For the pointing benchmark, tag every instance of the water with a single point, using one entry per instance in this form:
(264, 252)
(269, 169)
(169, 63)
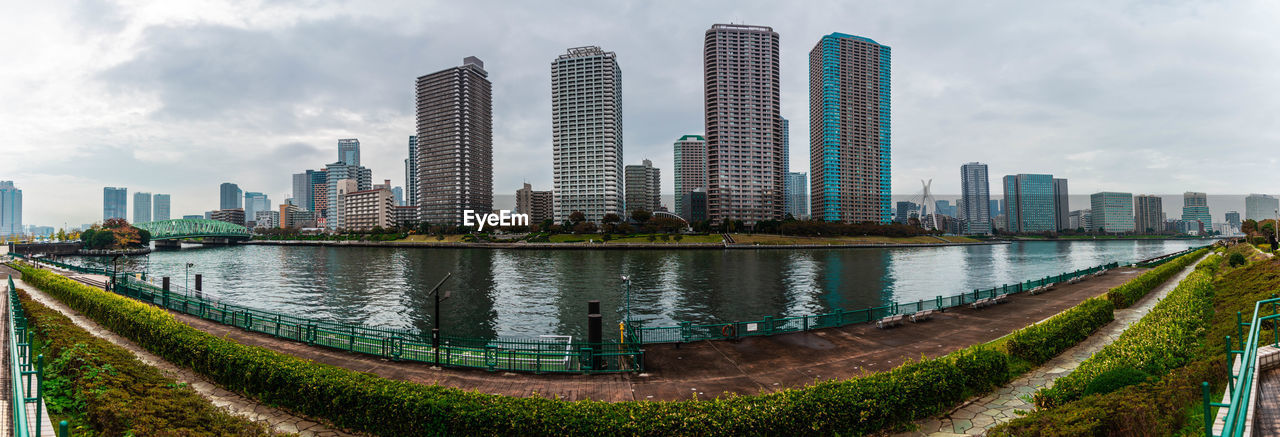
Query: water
(530, 293)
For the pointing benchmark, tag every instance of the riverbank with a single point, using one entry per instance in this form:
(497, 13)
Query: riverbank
(1111, 238)
(751, 242)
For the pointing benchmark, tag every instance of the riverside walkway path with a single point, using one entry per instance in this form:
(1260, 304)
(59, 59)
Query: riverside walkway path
(277, 419)
(708, 369)
(979, 415)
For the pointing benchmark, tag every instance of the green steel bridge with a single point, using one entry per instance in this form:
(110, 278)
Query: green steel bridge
(182, 229)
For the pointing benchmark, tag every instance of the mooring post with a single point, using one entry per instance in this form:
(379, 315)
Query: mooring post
(164, 281)
(595, 336)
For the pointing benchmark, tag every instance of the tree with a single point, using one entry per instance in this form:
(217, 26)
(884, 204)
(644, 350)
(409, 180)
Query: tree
(610, 221)
(679, 237)
(102, 239)
(577, 217)
(584, 228)
(640, 215)
(1249, 227)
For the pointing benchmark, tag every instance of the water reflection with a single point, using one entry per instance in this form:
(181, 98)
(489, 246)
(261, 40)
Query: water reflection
(529, 293)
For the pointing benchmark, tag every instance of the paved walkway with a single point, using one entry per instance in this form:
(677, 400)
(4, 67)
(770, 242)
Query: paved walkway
(979, 415)
(236, 404)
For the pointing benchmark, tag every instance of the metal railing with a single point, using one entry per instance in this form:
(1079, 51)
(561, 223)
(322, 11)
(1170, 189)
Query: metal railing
(1157, 261)
(544, 354)
(64, 266)
(687, 331)
(1242, 382)
(25, 372)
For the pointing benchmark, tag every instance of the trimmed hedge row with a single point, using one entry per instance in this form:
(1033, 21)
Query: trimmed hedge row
(104, 387)
(365, 402)
(1040, 342)
(1166, 338)
(1127, 293)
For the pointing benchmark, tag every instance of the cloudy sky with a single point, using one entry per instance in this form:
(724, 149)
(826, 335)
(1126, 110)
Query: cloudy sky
(177, 97)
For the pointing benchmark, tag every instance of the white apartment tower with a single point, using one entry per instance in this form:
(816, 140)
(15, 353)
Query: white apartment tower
(586, 134)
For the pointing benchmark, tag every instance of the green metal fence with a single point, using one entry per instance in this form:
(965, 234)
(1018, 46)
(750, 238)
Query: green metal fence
(548, 353)
(1154, 262)
(687, 331)
(64, 266)
(1241, 386)
(26, 373)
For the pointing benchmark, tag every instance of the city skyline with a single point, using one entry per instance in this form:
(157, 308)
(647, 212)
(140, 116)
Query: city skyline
(1015, 108)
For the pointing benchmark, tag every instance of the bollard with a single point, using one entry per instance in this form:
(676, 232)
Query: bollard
(1208, 418)
(62, 429)
(165, 286)
(199, 281)
(593, 307)
(595, 336)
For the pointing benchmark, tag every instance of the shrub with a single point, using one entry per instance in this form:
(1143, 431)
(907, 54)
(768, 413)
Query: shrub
(365, 402)
(1115, 379)
(1129, 292)
(104, 387)
(1236, 259)
(1040, 342)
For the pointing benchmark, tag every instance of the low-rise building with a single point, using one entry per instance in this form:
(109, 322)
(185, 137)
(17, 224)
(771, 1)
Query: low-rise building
(405, 216)
(234, 216)
(266, 219)
(365, 210)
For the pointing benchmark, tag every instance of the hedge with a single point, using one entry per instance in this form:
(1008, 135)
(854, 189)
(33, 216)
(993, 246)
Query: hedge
(103, 387)
(1040, 342)
(365, 402)
(1127, 293)
(1164, 339)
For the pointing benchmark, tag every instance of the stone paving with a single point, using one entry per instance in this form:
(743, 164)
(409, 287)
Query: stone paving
(977, 416)
(278, 419)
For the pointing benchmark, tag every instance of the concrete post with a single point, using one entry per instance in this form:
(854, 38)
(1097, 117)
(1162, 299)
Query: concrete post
(595, 337)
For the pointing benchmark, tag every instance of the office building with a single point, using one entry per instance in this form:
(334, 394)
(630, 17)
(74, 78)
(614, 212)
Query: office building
(1233, 219)
(319, 192)
(1080, 219)
(642, 187)
(229, 195)
(745, 176)
(454, 142)
(1148, 214)
(397, 193)
(369, 209)
(1030, 204)
(849, 97)
(690, 171)
(292, 216)
(1061, 204)
(586, 134)
(362, 179)
(266, 219)
(1112, 212)
(194, 217)
(1259, 207)
(141, 207)
(349, 151)
(786, 155)
(797, 201)
(945, 208)
(1195, 207)
(303, 189)
(10, 209)
(254, 202)
(695, 204)
(233, 216)
(994, 205)
(539, 205)
(114, 202)
(411, 174)
(905, 211)
(160, 207)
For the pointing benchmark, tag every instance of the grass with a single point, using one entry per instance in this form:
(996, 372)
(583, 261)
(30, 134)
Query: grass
(769, 239)
(431, 239)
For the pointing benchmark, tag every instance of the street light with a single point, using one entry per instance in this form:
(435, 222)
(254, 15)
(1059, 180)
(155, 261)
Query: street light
(186, 283)
(435, 330)
(627, 297)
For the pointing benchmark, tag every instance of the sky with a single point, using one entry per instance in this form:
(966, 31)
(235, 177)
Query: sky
(178, 97)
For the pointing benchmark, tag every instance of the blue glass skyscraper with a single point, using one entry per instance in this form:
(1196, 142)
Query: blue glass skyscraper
(1030, 204)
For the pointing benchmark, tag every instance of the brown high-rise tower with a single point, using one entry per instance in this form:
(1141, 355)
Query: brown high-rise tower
(455, 143)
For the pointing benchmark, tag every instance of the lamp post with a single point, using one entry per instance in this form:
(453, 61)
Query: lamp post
(435, 330)
(186, 282)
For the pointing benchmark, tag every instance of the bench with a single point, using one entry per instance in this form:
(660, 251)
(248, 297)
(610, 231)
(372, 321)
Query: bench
(922, 316)
(1001, 299)
(982, 303)
(890, 321)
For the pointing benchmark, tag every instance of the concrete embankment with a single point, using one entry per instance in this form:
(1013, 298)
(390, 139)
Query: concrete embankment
(604, 246)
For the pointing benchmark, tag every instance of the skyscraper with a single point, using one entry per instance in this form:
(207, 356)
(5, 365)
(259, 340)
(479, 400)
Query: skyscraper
(1195, 206)
(642, 187)
(1259, 207)
(349, 151)
(586, 134)
(160, 207)
(797, 202)
(538, 204)
(975, 199)
(319, 196)
(745, 176)
(302, 189)
(114, 202)
(141, 207)
(230, 196)
(1030, 203)
(1061, 204)
(690, 171)
(1233, 219)
(1112, 212)
(397, 193)
(1148, 214)
(849, 133)
(411, 173)
(339, 171)
(254, 202)
(454, 142)
(10, 209)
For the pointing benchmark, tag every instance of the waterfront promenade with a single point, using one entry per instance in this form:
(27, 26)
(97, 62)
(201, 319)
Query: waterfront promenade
(707, 369)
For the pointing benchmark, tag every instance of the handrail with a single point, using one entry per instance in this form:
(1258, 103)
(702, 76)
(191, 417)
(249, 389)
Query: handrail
(1241, 381)
(26, 375)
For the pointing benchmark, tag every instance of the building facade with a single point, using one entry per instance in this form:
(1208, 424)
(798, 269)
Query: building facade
(141, 207)
(695, 204)
(234, 216)
(254, 202)
(849, 131)
(797, 202)
(302, 190)
(643, 185)
(586, 134)
(411, 174)
(349, 151)
(1112, 212)
(454, 142)
(1080, 219)
(1061, 204)
(341, 189)
(1030, 203)
(229, 196)
(319, 191)
(905, 211)
(1233, 219)
(975, 199)
(335, 172)
(1195, 207)
(369, 209)
(266, 219)
(1259, 207)
(1148, 214)
(114, 202)
(10, 209)
(160, 207)
(689, 171)
(405, 216)
(539, 205)
(745, 174)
